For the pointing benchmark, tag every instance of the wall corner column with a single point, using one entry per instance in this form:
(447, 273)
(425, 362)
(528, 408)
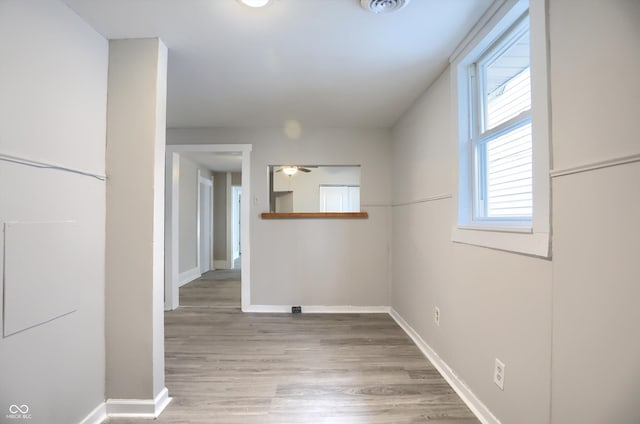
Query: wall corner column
(135, 157)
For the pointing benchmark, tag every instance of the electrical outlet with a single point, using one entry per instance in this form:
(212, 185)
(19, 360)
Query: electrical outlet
(498, 373)
(296, 309)
(436, 316)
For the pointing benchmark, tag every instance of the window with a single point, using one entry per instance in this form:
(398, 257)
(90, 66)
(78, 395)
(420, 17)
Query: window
(500, 116)
(499, 80)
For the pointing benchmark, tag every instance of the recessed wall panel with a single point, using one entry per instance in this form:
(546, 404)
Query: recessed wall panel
(41, 280)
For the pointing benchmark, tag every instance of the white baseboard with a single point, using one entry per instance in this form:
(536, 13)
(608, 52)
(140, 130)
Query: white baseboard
(317, 309)
(97, 416)
(222, 264)
(267, 309)
(344, 309)
(188, 276)
(468, 397)
(138, 408)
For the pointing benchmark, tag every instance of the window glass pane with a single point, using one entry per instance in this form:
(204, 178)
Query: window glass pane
(507, 83)
(509, 174)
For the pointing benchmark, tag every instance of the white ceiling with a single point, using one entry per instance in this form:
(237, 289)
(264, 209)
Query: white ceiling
(320, 62)
(219, 162)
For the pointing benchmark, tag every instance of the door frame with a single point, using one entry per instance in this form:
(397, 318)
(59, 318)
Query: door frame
(172, 195)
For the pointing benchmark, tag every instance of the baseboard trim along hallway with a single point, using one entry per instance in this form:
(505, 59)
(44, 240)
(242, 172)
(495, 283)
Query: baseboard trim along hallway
(188, 276)
(317, 309)
(97, 416)
(468, 397)
(129, 408)
(138, 408)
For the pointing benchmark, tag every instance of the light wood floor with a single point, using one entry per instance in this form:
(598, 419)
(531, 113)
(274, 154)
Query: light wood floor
(223, 366)
(220, 288)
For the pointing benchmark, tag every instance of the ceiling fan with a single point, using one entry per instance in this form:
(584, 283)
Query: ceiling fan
(292, 169)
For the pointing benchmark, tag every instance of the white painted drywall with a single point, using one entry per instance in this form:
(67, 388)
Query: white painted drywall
(595, 63)
(188, 214)
(578, 308)
(492, 304)
(594, 53)
(315, 262)
(135, 219)
(53, 81)
(35, 295)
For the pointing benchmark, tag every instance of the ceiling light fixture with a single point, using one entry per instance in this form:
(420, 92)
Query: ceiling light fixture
(383, 6)
(289, 170)
(255, 3)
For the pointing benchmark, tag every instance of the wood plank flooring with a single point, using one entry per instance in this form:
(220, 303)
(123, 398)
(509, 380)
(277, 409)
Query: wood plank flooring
(223, 366)
(219, 288)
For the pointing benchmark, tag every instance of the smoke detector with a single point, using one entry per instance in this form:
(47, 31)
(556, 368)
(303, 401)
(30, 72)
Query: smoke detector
(383, 6)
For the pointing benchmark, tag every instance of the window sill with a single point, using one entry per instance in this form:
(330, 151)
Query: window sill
(497, 228)
(525, 243)
(313, 215)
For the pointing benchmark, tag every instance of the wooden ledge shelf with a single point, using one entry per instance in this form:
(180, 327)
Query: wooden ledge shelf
(314, 215)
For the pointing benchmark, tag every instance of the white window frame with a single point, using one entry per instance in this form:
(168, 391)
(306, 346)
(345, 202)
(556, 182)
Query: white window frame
(526, 237)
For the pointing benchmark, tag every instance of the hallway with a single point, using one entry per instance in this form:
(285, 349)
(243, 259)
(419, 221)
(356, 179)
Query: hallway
(226, 367)
(215, 289)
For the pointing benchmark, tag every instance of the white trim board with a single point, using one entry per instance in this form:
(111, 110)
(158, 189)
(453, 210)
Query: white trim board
(344, 309)
(478, 408)
(424, 200)
(222, 264)
(198, 227)
(172, 195)
(188, 276)
(316, 309)
(206, 181)
(97, 416)
(593, 166)
(48, 165)
(131, 408)
(138, 408)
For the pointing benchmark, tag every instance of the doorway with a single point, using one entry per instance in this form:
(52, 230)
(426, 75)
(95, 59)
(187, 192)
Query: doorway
(172, 195)
(236, 225)
(205, 200)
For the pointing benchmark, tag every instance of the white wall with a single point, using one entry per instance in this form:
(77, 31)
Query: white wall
(189, 187)
(595, 63)
(580, 308)
(493, 304)
(315, 262)
(53, 81)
